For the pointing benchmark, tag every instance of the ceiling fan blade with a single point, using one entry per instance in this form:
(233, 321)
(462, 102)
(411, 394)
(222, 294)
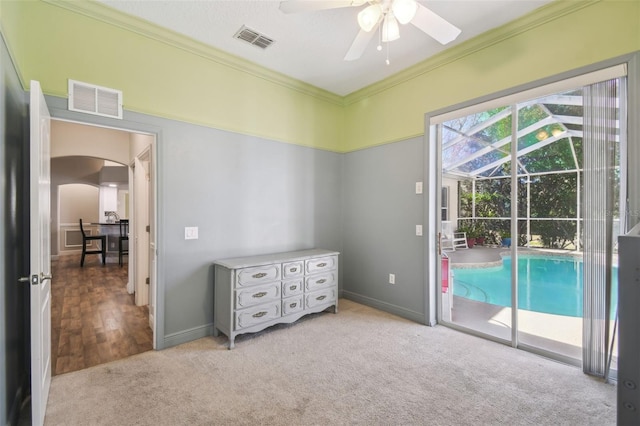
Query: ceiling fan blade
(296, 6)
(435, 26)
(359, 44)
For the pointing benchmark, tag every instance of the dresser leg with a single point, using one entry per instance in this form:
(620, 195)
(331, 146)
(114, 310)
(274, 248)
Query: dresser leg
(335, 309)
(231, 343)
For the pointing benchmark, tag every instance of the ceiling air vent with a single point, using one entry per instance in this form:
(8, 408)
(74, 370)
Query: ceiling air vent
(253, 37)
(92, 99)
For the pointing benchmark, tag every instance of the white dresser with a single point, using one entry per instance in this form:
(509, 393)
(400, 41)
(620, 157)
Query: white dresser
(256, 292)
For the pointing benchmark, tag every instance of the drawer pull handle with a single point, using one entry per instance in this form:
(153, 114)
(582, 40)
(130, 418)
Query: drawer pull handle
(322, 265)
(294, 269)
(260, 275)
(321, 297)
(293, 305)
(293, 287)
(259, 295)
(322, 281)
(259, 314)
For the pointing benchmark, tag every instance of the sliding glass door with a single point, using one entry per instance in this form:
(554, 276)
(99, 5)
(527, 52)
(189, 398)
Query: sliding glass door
(531, 191)
(549, 314)
(475, 233)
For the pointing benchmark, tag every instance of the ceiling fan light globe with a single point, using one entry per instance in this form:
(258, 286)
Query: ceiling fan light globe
(404, 10)
(369, 17)
(390, 28)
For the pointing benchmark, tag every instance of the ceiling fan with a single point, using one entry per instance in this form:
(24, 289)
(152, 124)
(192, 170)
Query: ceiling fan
(388, 13)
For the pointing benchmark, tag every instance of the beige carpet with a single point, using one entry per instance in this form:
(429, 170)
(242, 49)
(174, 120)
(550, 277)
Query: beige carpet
(361, 366)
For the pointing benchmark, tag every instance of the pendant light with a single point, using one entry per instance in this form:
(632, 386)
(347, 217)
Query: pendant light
(404, 10)
(390, 28)
(369, 17)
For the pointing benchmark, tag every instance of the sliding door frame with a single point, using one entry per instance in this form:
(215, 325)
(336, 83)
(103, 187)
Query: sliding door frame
(433, 180)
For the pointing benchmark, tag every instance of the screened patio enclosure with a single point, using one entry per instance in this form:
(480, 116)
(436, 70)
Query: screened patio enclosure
(477, 156)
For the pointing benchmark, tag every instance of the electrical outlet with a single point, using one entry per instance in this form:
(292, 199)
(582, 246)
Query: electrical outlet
(392, 278)
(419, 230)
(418, 187)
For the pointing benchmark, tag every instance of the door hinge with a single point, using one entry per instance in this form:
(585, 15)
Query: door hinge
(148, 228)
(147, 280)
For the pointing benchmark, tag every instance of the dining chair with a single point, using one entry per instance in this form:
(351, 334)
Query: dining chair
(87, 239)
(124, 236)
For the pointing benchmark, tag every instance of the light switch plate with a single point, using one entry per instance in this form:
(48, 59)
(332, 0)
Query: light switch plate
(418, 187)
(191, 233)
(419, 230)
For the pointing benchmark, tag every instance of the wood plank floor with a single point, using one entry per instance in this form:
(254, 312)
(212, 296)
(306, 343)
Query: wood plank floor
(93, 318)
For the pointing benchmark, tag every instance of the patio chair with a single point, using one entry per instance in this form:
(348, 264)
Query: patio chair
(452, 240)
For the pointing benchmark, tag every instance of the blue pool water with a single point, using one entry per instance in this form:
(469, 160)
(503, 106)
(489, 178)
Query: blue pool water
(545, 284)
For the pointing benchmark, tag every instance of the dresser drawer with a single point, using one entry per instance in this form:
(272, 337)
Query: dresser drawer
(318, 298)
(256, 295)
(316, 282)
(292, 305)
(257, 314)
(257, 275)
(292, 269)
(291, 288)
(321, 264)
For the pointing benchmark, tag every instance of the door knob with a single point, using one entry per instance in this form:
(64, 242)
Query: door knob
(33, 279)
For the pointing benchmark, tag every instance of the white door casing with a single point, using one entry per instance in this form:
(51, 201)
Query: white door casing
(132, 232)
(141, 209)
(151, 214)
(40, 253)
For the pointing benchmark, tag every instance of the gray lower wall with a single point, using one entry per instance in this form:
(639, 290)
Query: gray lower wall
(380, 211)
(14, 261)
(245, 194)
(249, 196)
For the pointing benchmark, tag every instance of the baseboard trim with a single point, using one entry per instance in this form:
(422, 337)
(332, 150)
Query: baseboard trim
(386, 307)
(195, 333)
(189, 335)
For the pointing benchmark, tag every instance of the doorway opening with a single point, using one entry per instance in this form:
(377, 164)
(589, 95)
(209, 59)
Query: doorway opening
(101, 312)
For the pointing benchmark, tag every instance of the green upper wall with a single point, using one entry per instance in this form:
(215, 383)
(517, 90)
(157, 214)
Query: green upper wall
(164, 74)
(167, 75)
(560, 37)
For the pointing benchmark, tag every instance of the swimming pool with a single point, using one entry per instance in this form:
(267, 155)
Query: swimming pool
(545, 284)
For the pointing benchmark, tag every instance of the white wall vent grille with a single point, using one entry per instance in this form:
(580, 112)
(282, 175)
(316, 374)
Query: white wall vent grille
(253, 37)
(97, 100)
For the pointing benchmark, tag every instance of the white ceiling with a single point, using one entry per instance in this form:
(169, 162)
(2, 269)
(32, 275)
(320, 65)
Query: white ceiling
(311, 46)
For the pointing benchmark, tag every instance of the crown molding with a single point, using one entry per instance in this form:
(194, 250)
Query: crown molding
(541, 16)
(21, 81)
(107, 15)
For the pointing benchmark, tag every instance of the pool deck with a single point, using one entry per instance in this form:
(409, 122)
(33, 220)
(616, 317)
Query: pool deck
(483, 257)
